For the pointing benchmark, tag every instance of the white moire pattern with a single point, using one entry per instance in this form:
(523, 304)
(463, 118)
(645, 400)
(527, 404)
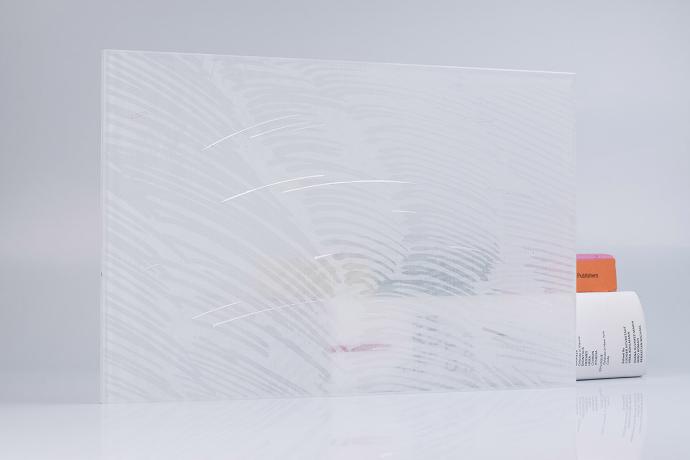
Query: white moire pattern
(288, 227)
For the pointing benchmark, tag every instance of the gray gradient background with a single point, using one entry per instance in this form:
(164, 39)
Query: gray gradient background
(633, 64)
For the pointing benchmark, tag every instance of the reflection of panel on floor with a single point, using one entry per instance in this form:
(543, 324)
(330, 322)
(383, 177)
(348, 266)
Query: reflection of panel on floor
(535, 425)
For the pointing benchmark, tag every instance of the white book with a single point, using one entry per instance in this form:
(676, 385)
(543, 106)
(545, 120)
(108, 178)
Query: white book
(611, 336)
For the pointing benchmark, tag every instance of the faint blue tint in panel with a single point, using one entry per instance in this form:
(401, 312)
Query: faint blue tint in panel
(289, 227)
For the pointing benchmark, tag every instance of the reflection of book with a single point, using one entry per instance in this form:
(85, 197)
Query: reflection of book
(596, 273)
(611, 420)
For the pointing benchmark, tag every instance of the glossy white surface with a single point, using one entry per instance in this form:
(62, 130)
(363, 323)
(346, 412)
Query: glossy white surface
(608, 419)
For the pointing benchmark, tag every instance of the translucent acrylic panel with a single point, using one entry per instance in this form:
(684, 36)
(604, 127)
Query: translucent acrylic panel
(288, 227)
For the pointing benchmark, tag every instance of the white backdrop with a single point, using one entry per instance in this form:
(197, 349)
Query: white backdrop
(633, 64)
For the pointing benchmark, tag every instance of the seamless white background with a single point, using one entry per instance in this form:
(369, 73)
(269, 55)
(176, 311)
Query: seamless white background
(632, 60)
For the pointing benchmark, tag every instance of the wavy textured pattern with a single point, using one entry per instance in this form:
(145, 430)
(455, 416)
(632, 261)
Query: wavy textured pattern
(286, 227)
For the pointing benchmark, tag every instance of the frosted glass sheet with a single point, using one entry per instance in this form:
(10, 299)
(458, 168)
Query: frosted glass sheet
(287, 227)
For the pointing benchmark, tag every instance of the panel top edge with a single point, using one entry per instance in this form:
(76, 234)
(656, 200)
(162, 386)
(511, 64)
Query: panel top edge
(343, 61)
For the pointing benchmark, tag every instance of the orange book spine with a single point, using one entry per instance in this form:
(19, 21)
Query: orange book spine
(596, 273)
